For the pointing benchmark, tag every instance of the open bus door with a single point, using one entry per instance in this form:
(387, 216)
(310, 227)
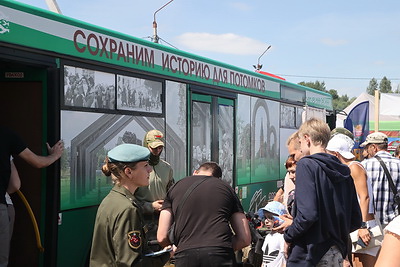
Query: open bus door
(24, 110)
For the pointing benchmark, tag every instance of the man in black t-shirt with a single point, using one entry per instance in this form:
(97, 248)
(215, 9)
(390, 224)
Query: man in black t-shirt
(204, 223)
(12, 145)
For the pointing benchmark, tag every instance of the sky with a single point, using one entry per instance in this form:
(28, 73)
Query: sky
(342, 43)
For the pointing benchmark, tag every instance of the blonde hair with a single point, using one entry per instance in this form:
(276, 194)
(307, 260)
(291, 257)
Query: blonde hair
(294, 139)
(317, 130)
(116, 170)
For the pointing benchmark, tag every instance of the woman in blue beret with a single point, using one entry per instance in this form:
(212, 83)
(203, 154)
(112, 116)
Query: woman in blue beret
(119, 235)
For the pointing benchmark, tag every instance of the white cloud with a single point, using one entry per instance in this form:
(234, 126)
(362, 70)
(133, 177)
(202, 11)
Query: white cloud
(241, 6)
(227, 43)
(379, 63)
(331, 42)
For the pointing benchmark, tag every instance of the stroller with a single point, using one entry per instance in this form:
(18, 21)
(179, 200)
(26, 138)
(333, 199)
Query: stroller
(254, 256)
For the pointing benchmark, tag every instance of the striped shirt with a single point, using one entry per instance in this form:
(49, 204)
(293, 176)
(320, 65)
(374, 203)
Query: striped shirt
(385, 207)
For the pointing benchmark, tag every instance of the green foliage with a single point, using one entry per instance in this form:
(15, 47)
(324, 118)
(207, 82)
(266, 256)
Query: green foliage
(373, 85)
(315, 85)
(385, 86)
(397, 91)
(334, 94)
(341, 102)
(338, 102)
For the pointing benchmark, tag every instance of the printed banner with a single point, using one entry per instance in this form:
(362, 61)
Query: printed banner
(357, 122)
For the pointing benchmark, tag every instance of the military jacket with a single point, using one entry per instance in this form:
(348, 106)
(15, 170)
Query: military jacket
(119, 236)
(161, 178)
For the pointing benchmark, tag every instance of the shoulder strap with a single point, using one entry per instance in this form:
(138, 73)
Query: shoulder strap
(391, 184)
(187, 193)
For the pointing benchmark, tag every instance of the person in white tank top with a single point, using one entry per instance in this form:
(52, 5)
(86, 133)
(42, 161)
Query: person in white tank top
(341, 146)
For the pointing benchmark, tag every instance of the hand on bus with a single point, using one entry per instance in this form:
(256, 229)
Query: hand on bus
(56, 150)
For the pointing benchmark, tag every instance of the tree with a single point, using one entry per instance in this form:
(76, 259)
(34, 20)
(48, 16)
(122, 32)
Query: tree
(315, 85)
(385, 86)
(373, 85)
(333, 93)
(338, 102)
(342, 102)
(398, 89)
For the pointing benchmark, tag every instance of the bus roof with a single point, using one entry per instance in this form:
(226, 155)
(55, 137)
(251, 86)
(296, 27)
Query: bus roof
(67, 36)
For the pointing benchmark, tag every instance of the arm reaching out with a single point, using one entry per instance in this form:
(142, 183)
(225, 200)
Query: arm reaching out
(37, 161)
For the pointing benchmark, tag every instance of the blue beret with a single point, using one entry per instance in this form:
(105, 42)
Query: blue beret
(128, 153)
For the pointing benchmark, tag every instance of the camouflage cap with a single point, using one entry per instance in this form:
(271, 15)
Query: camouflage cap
(153, 139)
(341, 130)
(375, 138)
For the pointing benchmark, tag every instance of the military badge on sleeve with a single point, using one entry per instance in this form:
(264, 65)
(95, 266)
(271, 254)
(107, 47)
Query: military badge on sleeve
(134, 239)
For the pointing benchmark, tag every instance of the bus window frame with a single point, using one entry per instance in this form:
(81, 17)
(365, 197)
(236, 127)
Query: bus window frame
(108, 70)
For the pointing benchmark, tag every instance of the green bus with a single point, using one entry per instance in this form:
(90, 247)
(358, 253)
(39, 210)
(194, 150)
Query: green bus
(95, 88)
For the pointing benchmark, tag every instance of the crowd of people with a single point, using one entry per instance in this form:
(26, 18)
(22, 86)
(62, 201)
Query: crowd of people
(345, 212)
(138, 94)
(335, 211)
(82, 90)
(331, 211)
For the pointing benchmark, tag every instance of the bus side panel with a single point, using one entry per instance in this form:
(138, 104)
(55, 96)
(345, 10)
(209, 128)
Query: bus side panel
(256, 196)
(75, 236)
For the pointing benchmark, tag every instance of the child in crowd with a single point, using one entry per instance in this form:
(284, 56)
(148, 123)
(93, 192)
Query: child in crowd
(273, 246)
(290, 166)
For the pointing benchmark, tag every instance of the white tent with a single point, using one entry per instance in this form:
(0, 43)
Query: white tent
(390, 104)
(386, 122)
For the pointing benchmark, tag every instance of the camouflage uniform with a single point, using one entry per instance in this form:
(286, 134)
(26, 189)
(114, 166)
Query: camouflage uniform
(119, 237)
(161, 179)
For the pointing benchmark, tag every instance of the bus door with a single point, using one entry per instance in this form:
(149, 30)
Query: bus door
(212, 133)
(22, 112)
(29, 109)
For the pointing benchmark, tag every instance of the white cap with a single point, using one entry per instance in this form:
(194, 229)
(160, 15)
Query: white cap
(342, 144)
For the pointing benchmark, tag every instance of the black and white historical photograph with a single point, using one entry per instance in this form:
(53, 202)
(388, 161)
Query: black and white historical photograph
(139, 94)
(88, 88)
(201, 139)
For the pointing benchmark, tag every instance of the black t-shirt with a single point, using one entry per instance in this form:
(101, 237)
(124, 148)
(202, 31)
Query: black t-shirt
(10, 144)
(204, 218)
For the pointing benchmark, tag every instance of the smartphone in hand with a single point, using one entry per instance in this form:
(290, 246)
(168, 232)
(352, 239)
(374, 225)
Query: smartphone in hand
(361, 243)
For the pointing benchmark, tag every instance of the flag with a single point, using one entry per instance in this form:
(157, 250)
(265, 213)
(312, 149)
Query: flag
(357, 122)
